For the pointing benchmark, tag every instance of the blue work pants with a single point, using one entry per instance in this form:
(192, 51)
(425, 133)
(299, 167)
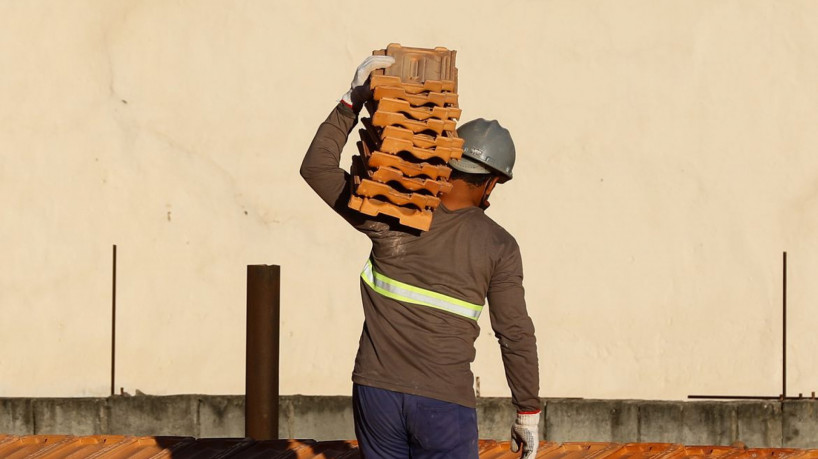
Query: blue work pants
(394, 425)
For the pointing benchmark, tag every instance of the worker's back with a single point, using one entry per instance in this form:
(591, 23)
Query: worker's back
(426, 347)
(413, 346)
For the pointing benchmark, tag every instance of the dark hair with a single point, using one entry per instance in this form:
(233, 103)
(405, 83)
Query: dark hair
(471, 179)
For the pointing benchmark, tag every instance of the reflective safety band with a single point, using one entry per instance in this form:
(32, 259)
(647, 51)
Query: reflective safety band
(410, 294)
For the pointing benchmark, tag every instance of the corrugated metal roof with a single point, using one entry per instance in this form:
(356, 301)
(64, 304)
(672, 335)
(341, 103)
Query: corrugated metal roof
(121, 446)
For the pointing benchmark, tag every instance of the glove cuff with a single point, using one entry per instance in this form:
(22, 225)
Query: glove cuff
(528, 419)
(347, 98)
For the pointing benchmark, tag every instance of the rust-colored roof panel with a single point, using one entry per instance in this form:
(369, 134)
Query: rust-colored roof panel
(213, 447)
(149, 447)
(574, 450)
(19, 447)
(118, 446)
(275, 449)
(763, 453)
(79, 447)
(694, 452)
(492, 449)
(642, 451)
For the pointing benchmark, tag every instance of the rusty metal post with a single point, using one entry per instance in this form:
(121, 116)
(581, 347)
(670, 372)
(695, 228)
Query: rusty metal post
(261, 373)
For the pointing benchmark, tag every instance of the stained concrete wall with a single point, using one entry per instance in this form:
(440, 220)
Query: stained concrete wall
(756, 423)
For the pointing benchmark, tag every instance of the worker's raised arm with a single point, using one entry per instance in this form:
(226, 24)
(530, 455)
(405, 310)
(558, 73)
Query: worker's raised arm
(320, 167)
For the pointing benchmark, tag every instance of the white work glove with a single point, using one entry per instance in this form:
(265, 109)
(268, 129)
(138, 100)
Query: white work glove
(526, 431)
(358, 90)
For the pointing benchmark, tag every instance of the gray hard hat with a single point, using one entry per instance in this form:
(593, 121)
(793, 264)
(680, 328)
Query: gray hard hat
(487, 149)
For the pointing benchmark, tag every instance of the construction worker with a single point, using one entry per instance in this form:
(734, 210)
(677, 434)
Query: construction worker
(422, 293)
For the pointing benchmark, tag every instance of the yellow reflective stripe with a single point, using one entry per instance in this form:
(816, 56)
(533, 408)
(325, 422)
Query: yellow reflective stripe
(401, 291)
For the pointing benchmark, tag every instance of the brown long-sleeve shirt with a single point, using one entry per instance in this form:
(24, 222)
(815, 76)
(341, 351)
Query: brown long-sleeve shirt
(415, 349)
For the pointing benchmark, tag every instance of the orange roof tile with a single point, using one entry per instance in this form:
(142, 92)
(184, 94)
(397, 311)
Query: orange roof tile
(121, 446)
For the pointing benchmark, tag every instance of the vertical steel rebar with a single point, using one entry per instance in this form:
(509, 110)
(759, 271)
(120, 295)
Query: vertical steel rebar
(784, 332)
(262, 357)
(113, 324)
(783, 395)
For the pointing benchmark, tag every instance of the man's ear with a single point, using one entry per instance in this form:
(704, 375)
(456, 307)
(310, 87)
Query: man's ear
(490, 184)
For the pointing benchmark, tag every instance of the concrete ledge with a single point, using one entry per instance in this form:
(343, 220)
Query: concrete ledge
(316, 417)
(719, 418)
(762, 423)
(494, 417)
(221, 416)
(16, 416)
(800, 423)
(75, 416)
(660, 422)
(148, 415)
(603, 420)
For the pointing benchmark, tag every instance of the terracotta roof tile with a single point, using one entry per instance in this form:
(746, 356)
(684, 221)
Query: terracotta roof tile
(371, 189)
(410, 169)
(441, 99)
(411, 88)
(389, 104)
(449, 140)
(396, 145)
(420, 219)
(120, 446)
(690, 452)
(420, 64)
(383, 119)
(386, 174)
(575, 450)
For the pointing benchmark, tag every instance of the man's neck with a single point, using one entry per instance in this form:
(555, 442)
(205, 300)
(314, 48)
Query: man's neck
(461, 196)
(455, 204)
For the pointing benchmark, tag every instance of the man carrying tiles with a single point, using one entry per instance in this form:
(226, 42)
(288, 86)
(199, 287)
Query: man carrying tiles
(422, 293)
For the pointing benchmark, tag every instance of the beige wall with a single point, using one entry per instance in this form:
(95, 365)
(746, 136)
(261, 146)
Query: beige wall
(667, 156)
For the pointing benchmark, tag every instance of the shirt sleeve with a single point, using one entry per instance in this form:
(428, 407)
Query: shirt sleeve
(515, 331)
(320, 167)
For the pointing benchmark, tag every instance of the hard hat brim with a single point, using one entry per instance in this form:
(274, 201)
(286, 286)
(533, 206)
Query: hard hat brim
(468, 166)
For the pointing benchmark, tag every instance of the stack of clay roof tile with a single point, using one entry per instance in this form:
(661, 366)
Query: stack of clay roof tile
(410, 136)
